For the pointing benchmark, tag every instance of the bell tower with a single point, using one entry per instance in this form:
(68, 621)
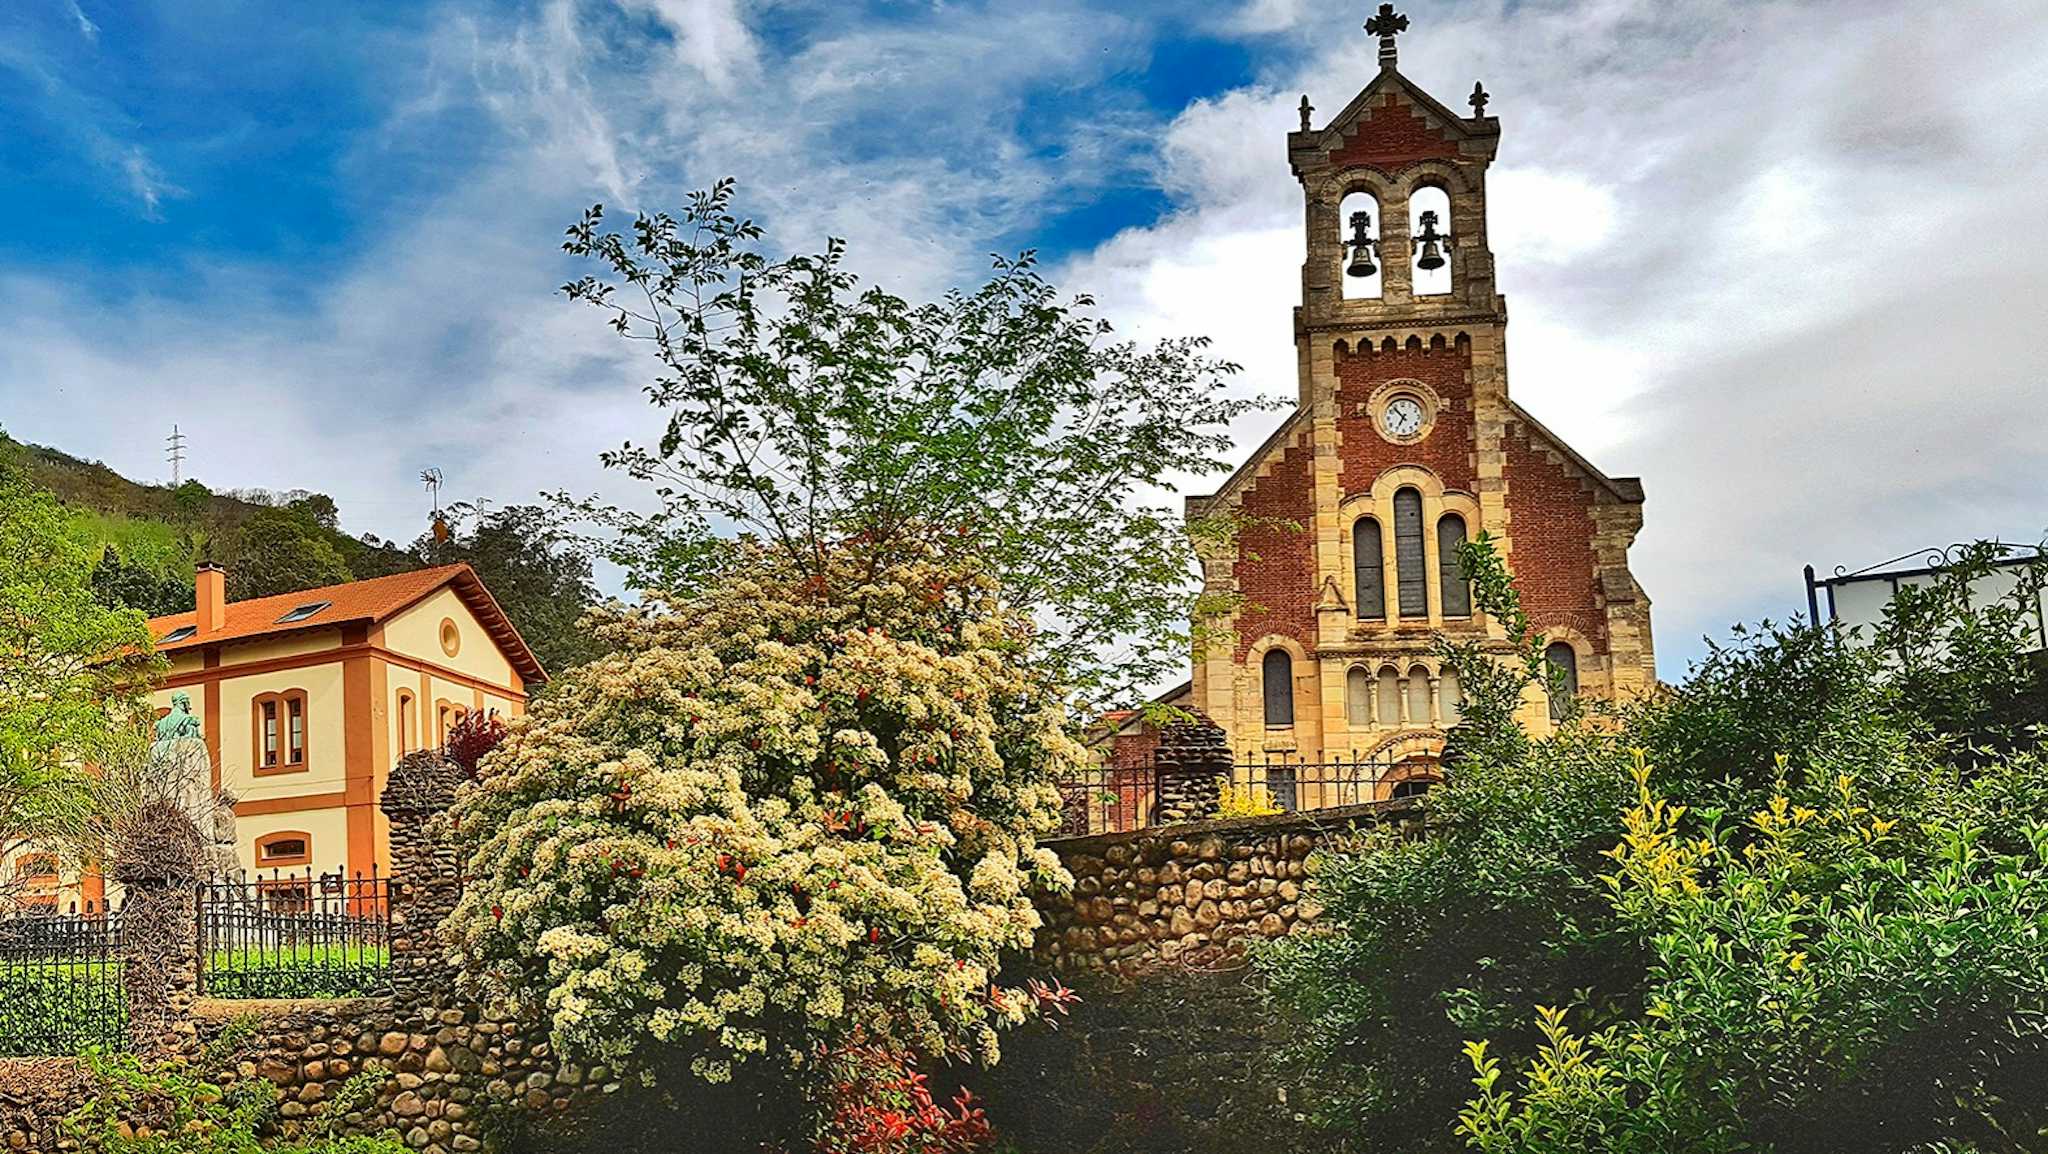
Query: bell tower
(1394, 193)
(1402, 445)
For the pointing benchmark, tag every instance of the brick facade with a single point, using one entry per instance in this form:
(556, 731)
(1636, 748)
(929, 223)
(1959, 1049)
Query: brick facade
(1367, 684)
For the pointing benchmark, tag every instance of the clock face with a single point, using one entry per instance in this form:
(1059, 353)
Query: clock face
(1402, 417)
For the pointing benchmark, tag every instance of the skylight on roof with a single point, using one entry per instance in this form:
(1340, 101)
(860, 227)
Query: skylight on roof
(179, 634)
(303, 612)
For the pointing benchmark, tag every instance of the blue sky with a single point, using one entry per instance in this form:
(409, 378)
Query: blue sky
(1782, 260)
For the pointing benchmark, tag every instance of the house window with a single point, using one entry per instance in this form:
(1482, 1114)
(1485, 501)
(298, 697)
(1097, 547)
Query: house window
(280, 731)
(1277, 673)
(1455, 590)
(288, 848)
(446, 715)
(1358, 697)
(1390, 696)
(1564, 661)
(408, 720)
(1409, 568)
(303, 612)
(1368, 572)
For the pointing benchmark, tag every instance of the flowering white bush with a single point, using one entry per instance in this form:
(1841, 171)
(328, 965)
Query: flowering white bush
(795, 812)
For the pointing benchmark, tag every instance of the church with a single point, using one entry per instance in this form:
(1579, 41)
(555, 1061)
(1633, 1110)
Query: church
(1404, 442)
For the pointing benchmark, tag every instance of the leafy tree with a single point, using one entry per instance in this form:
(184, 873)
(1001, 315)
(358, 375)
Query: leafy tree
(118, 584)
(771, 824)
(1002, 424)
(318, 508)
(281, 551)
(73, 672)
(536, 569)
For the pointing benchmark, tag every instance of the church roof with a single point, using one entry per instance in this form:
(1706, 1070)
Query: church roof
(370, 601)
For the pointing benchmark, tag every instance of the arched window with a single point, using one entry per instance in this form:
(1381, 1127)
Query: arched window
(1429, 217)
(1390, 696)
(1453, 588)
(1412, 787)
(408, 722)
(1358, 697)
(1277, 675)
(1565, 660)
(286, 848)
(1368, 570)
(1358, 287)
(1451, 697)
(278, 738)
(1418, 695)
(1409, 568)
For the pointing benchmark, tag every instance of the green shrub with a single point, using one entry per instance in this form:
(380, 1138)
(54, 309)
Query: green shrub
(1513, 902)
(142, 1108)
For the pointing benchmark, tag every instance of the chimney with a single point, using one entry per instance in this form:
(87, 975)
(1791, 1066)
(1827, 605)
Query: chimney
(210, 589)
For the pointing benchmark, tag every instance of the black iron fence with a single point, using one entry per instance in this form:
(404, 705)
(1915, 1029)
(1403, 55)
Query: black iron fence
(295, 935)
(1115, 798)
(61, 983)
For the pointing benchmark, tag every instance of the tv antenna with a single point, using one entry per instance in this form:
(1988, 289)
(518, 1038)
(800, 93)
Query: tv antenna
(431, 478)
(176, 455)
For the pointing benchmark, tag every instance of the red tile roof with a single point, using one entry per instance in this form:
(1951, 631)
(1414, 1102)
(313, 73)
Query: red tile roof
(372, 601)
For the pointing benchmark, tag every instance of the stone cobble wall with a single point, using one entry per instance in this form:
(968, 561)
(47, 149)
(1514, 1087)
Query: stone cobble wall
(442, 1074)
(1192, 895)
(437, 1075)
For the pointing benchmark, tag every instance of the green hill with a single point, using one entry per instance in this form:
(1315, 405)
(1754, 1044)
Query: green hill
(148, 538)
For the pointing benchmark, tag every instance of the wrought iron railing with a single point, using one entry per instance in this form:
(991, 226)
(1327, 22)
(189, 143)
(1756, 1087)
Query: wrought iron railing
(295, 935)
(1116, 798)
(61, 984)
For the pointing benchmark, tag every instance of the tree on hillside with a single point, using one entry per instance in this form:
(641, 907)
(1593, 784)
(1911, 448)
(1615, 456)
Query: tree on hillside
(1002, 424)
(282, 551)
(536, 569)
(118, 584)
(72, 671)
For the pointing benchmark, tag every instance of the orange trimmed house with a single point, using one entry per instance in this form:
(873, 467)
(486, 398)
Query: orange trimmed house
(307, 699)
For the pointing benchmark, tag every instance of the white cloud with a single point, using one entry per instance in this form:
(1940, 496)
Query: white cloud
(1777, 258)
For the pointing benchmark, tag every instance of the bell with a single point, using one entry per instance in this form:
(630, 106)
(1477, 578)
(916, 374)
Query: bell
(1361, 247)
(1432, 257)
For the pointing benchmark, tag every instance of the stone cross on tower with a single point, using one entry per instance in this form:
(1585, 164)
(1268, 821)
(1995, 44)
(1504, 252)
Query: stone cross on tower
(1386, 25)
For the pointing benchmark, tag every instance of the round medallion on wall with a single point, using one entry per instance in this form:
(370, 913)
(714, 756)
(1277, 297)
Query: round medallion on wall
(451, 637)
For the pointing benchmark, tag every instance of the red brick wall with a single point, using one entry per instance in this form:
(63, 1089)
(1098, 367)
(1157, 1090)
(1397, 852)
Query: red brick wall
(1447, 451)
(1276, 569)
(1395, 135)
(1551, 520)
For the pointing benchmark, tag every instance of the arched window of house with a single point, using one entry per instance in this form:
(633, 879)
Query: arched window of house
(1565, 661)
(1418, 695)
(1368, 570)
(279, 731)
(1409, 567)
(408, 722)
(1429, 229)
(1358, 697)
(1390, 696)
(1363, 274)
(1276, 673)
(1454, 589)
(1451, 696)
(286, 848)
